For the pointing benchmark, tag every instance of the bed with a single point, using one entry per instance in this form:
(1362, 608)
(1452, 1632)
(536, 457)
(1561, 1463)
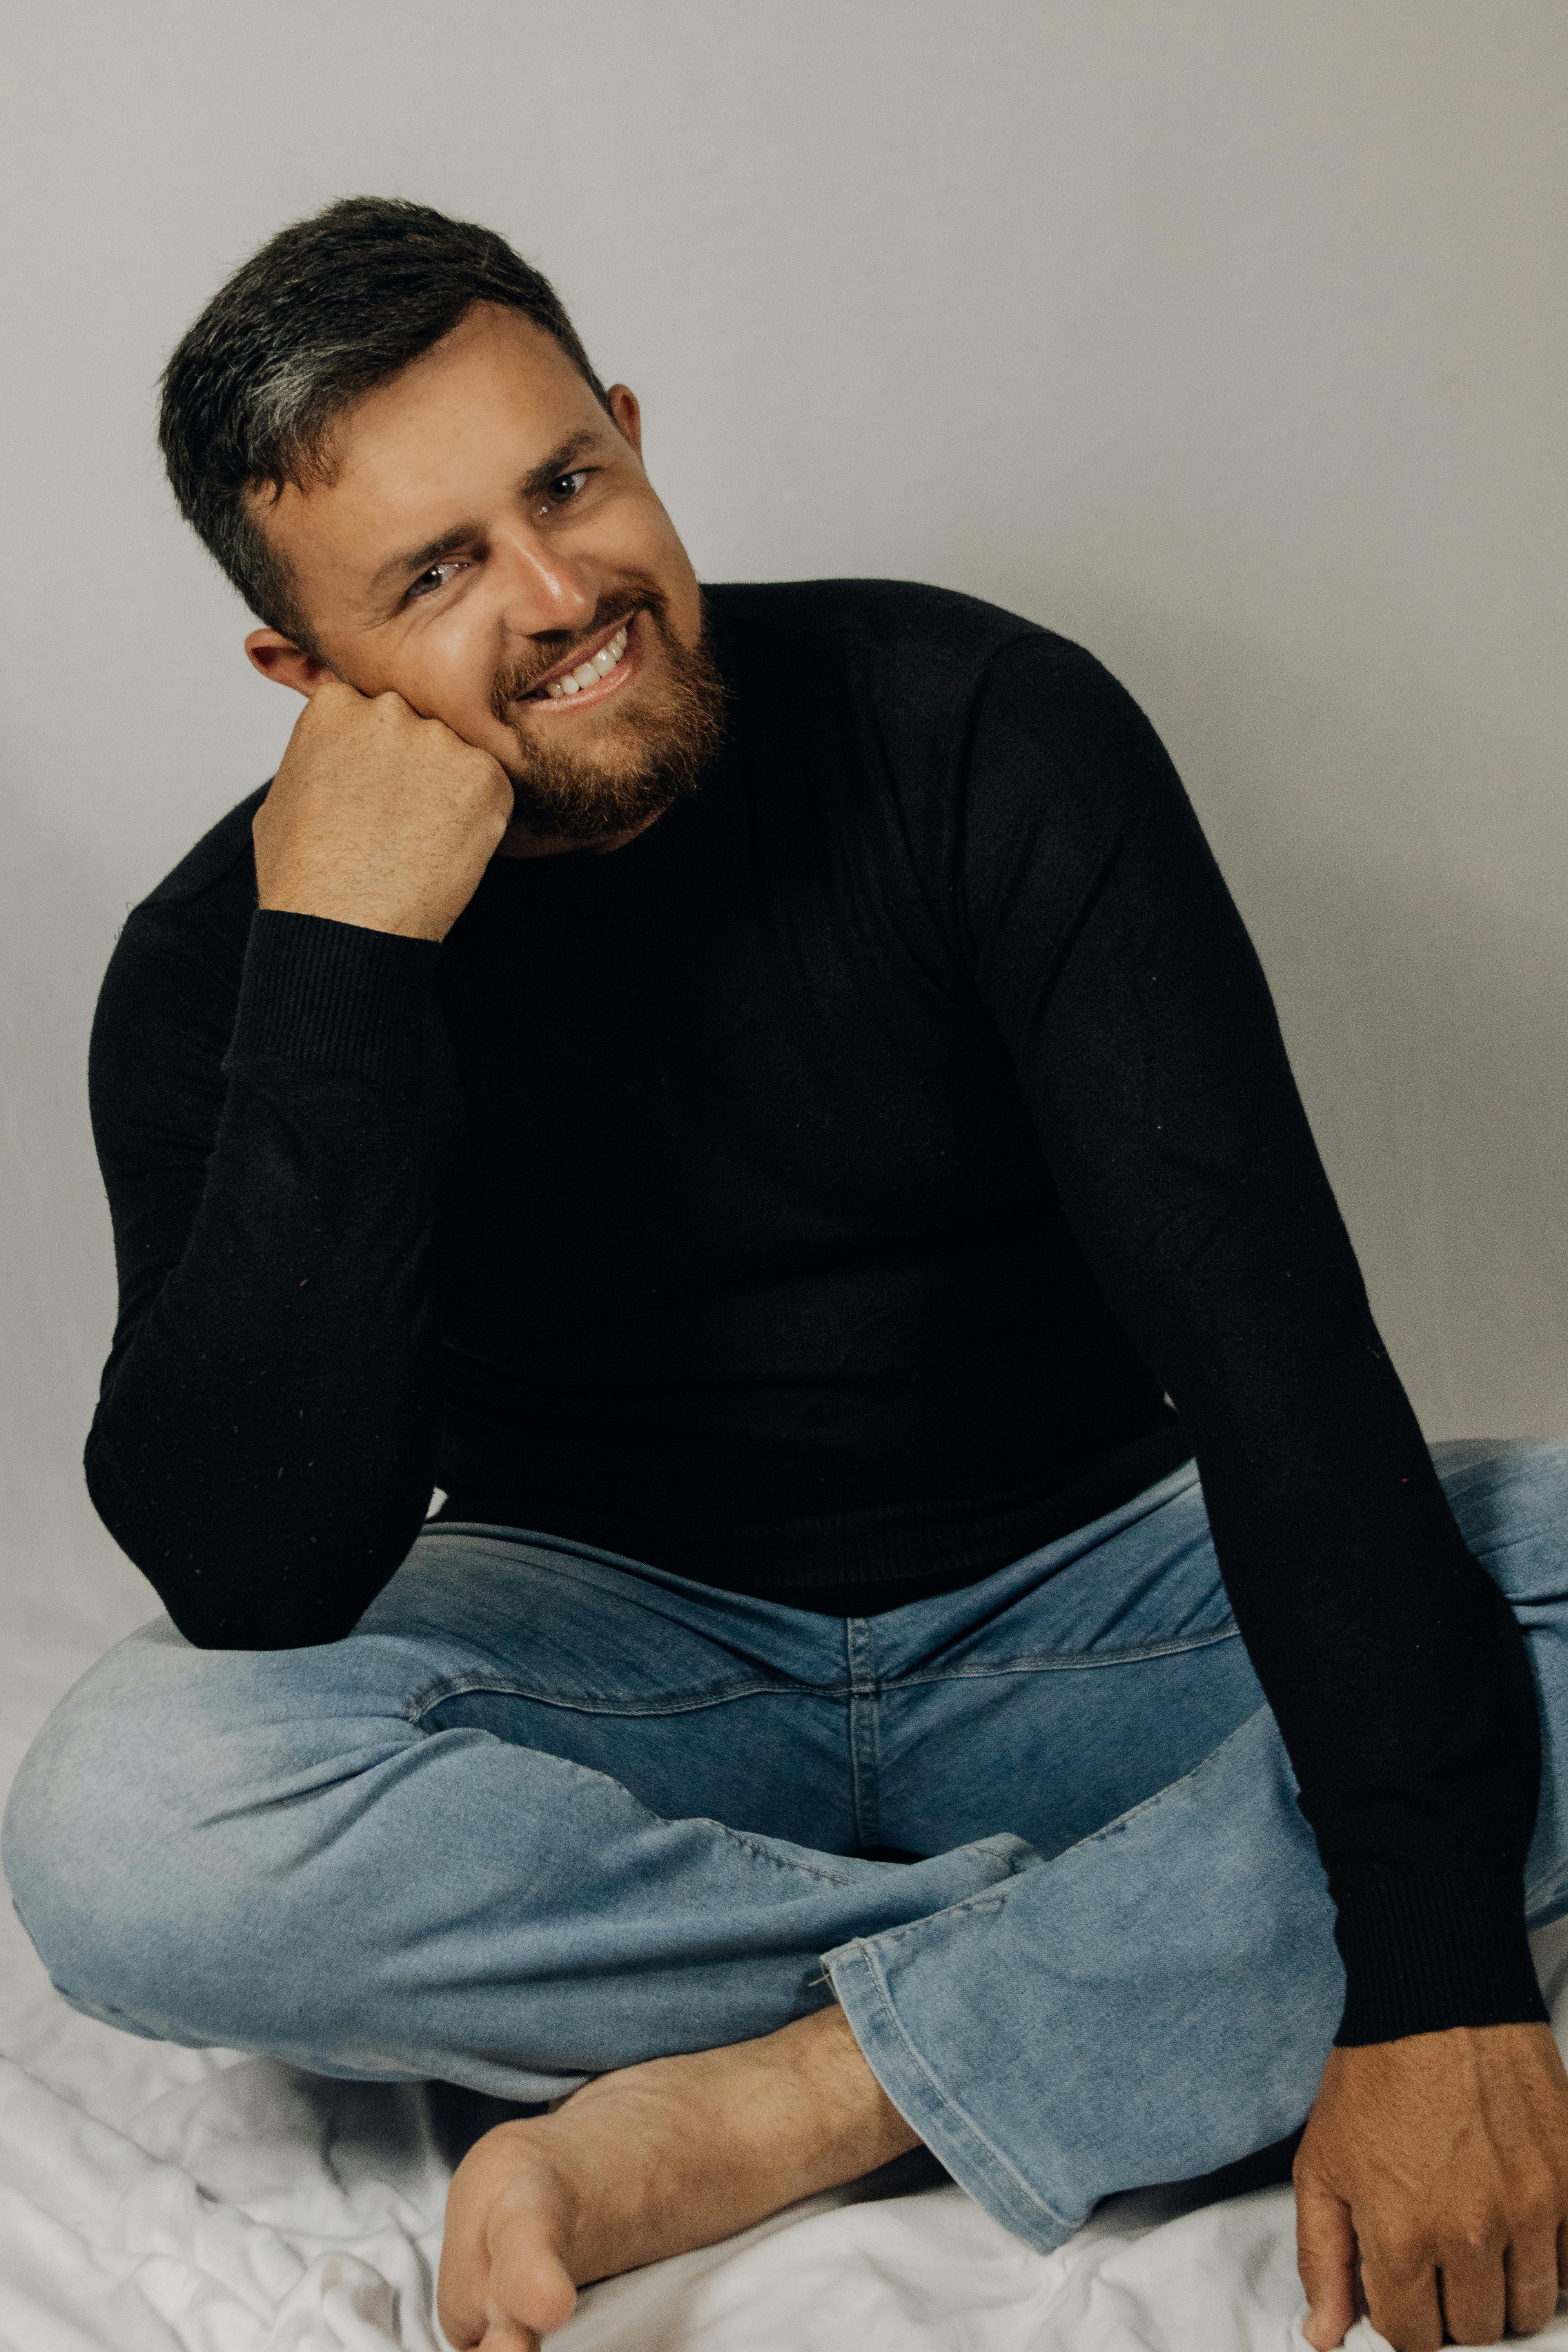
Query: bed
(159, 2199)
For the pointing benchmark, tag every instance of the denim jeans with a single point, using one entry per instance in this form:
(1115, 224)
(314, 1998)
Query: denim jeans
(548, 1812)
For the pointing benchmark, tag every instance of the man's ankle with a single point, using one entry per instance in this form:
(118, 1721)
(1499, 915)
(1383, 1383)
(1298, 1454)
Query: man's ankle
(861, 2128)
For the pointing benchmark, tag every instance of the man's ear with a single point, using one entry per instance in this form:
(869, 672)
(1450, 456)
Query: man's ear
(280, 658)
(624, 408)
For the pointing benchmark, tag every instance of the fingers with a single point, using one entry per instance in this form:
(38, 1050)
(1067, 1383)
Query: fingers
(1532, 2282)
(1326, 2258)
(1403, 2303)
(1474, 2296)
(1476, 2292)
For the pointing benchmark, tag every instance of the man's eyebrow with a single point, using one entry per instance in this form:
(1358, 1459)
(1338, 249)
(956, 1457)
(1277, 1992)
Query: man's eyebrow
(463, 534)
(420, 559)
(562, 460)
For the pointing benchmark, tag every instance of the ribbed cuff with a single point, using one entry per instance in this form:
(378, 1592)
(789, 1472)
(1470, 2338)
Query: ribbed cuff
(333, 994)
(1424, 1954)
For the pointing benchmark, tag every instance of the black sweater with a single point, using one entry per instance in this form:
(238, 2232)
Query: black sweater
(818, 1196)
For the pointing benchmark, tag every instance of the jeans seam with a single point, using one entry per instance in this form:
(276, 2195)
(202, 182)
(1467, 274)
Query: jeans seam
(676, 1703)
(986, 1896)
(863, 1729)
(778, 1861)
(689, 1702)
(1054, 1662)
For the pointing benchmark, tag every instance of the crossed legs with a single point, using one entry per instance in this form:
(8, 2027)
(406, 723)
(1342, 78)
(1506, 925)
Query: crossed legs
(547, 1817)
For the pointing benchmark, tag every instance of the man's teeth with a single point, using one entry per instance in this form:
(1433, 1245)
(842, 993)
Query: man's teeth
(586, 673)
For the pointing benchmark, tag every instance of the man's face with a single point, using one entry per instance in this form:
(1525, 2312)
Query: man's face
(486, 531)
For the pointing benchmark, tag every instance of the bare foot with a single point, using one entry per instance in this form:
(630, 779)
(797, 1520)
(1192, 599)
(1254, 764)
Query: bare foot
(651, 2161)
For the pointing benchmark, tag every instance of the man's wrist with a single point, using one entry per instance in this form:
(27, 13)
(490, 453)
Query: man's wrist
(358, 909)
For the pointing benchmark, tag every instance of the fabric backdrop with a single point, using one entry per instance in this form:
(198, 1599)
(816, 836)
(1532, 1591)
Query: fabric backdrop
(1228, 339)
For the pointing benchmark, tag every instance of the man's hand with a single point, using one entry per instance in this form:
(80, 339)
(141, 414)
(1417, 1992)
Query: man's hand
(378, 817)
(1443, 2159)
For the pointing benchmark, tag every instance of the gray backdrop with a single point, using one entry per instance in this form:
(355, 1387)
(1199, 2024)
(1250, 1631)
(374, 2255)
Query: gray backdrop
(1227, 338)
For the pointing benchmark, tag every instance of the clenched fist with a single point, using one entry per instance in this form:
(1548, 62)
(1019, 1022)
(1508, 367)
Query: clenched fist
(378, 817)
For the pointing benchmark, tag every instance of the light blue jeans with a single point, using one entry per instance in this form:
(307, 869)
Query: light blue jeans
(547, 1812)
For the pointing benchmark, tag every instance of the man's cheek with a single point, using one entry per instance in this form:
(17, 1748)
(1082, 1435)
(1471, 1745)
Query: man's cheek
(459, 695)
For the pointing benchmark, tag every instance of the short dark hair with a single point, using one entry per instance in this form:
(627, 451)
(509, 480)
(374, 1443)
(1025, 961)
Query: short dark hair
(327, 309)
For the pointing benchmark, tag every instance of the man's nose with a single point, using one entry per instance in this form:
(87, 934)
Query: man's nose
(541, 590)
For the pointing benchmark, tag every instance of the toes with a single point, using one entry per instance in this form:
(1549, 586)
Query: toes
(530, 2289)
(506, 2335)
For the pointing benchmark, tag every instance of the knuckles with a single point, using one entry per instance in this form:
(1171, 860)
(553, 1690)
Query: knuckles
(1537, 2214)
(1468, 2242)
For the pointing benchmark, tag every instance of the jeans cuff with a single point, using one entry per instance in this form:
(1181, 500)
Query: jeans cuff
(927, 2104)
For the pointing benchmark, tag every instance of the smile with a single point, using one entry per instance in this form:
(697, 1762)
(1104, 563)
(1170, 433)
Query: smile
(596, 675)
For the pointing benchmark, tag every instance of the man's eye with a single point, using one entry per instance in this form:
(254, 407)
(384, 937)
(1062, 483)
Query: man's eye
(565, 487)
(437, 577)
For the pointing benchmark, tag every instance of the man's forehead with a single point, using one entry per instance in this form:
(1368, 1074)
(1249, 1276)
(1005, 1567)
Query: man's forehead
(493, 362)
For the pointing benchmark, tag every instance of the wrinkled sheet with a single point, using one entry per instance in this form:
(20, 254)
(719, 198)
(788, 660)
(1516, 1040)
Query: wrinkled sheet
(157, 2199)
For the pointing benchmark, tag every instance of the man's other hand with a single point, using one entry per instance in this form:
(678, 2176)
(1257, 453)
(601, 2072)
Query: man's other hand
(1442, 2161)
(378, 817)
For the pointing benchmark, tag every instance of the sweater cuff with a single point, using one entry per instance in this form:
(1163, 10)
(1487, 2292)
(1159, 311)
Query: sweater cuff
(334, 993)
(1425, 1954)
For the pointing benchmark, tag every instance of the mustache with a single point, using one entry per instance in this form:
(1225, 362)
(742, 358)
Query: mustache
(616, 604)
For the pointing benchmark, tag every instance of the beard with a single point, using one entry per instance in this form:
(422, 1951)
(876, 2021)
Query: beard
(646, 758)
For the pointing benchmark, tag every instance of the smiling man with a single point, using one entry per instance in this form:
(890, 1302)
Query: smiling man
(760, 1094)
(598, 714)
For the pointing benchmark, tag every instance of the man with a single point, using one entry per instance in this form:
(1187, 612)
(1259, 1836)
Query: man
(760, 1094)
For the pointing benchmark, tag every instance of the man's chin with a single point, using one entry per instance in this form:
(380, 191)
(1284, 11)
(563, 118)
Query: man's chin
(589, 794)
(586, 812)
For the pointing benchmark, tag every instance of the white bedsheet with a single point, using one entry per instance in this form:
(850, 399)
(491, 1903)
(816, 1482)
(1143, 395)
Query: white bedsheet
(156, 2199)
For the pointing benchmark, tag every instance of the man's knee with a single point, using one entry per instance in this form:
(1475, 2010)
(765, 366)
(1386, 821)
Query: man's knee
(1509, 1497)
(107, 1842)
(90, 1850)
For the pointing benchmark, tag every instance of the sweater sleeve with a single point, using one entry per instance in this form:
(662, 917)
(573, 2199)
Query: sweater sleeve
(1117, 969)
(266, 1435)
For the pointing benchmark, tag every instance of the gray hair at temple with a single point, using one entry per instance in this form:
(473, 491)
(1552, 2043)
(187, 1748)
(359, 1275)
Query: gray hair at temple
(327, 309)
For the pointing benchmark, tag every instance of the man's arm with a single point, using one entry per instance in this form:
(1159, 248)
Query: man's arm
(265, 1442)
(1147, 1049)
